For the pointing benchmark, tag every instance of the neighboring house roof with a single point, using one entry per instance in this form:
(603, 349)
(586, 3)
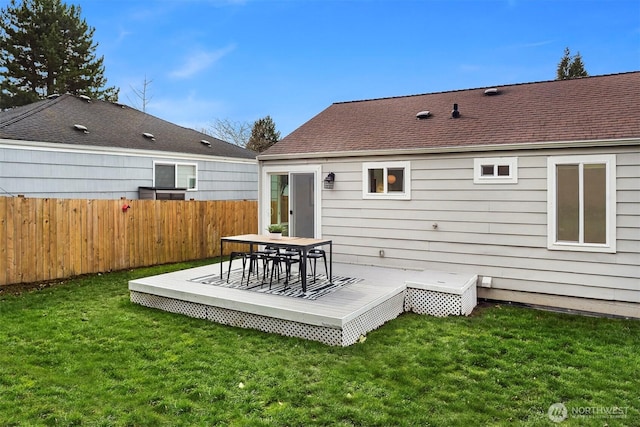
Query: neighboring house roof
(586, 109)
(108, 125)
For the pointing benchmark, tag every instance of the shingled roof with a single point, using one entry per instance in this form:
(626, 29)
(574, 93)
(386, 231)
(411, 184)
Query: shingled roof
(107, 125)
(590, 109)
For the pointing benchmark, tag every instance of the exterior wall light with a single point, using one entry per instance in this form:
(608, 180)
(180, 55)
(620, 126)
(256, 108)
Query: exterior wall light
(329, 180)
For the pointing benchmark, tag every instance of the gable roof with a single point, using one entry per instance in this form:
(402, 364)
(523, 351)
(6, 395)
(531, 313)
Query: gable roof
(588, 109)
(108, 125)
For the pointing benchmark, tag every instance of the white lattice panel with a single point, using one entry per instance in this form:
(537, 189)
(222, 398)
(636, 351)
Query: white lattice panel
(171, 305)
(288, 328)
(225, 316)
(440, 304)
(351, 332)
(372, 319)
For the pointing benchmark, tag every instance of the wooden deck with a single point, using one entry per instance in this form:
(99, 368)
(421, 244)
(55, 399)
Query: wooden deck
(339, 318)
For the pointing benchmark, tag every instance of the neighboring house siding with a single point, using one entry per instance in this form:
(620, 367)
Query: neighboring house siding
(497, 230)
(75, 173)
(227, 181)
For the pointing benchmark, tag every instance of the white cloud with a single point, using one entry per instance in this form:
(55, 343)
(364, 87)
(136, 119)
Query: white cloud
(122, 35)
(199, 61)
(533, 44)
(469, 68)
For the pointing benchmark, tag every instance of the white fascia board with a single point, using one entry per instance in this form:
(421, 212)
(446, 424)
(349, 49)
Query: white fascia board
(460, 149)
(114, 151)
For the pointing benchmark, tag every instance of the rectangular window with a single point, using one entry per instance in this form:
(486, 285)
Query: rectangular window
(497, 170)
(175, 175)
(581, 203)
(386, 180)
(165, 176)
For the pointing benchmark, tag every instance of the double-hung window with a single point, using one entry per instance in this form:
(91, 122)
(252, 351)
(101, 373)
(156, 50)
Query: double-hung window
(386, 180)
(175, 175)
(581, 204)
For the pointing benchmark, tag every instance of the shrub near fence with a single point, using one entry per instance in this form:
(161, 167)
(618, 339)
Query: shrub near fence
(47, 239)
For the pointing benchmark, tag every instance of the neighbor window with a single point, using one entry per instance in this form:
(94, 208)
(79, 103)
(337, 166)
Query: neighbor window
(386, 180)
(501, 170)
(582, 203)
(175, 175)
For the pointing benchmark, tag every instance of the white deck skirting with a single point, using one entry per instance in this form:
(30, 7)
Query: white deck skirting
(339, 318)
(442, 294)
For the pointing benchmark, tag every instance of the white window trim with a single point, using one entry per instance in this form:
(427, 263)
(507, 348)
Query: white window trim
(175, 165)
(610, 163)
(512, 162)
(396, 195)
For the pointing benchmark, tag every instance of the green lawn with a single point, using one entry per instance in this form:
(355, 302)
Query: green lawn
(80, 353)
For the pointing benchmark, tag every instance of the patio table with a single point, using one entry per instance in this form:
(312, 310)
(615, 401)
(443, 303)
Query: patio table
(304, 244)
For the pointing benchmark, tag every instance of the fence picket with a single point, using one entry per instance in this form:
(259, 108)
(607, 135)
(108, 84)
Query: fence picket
(4, 267)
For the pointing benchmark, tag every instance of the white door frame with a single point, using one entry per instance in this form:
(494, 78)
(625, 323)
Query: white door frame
(264, 193)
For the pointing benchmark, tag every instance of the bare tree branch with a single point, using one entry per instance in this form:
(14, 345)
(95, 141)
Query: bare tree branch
(142, 94)
(234, 132)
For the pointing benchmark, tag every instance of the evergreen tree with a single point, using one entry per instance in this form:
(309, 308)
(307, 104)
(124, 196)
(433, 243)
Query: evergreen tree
(263, 135)
(47, 48)
(570, 67)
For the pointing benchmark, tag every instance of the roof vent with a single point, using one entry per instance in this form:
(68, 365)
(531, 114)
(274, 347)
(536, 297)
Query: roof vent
(423, 114)
(492, 91)
(81, 128)
(149, 136)
(205, 142)
(85, 98)
(455, 113)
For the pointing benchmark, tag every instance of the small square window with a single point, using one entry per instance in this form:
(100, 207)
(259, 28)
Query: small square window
(386, 180)
(487, 170)
(499, 170)
(395, 180)
(504, 170)
(165, 176)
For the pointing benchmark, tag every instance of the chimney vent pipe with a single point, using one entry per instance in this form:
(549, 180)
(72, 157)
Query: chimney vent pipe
(455, 113)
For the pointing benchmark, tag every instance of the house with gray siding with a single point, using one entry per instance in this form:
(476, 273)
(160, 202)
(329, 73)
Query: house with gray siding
(76, 147)
(534, 187)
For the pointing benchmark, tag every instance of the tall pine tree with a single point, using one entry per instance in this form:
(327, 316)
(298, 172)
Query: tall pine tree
(570, 67)
(263, 135)
(47, 48)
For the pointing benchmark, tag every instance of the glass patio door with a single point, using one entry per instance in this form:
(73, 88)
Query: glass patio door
(291, 198)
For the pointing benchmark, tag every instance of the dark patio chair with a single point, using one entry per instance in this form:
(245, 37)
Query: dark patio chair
(313, 255)
(238, 255)
(263, 256)
(288, 257)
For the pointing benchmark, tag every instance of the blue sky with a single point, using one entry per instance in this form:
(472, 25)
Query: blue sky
(290, 59)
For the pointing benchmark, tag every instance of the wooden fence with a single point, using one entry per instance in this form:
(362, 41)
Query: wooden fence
(48, 239)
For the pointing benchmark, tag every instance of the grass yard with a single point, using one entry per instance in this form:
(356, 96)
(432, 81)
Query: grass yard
(80, 353)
